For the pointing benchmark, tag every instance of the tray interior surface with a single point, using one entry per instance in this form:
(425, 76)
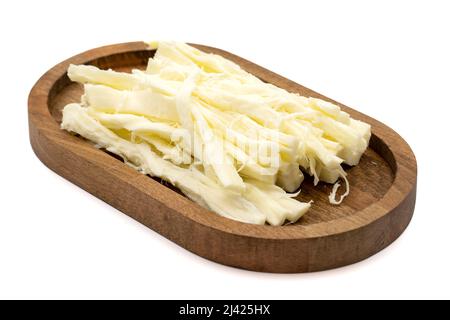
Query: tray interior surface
(369, 180)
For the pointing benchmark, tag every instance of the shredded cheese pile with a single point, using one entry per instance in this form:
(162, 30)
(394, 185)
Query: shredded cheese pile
(229, 141)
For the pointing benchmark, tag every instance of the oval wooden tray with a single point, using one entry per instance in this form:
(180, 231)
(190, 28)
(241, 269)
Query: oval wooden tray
(378, 209)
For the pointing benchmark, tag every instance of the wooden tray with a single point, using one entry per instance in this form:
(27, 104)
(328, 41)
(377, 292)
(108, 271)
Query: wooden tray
(378, 209)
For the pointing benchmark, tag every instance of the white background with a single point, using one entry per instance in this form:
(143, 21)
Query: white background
(389, 59)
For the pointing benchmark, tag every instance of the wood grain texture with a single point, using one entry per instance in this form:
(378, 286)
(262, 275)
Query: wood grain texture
(378, 209)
